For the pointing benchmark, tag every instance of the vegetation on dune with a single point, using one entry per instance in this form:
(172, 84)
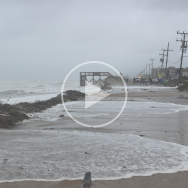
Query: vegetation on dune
(12, 114)
(172, 83)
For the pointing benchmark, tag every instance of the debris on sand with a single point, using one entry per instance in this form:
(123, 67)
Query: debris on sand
(131, 100)
(182, 97)
(106, 86)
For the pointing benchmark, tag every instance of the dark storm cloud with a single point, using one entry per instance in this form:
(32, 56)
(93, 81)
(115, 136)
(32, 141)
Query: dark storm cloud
(46, 39)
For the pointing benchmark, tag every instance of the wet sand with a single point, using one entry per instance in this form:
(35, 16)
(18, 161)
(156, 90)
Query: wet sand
(171, 128)
(174, 180)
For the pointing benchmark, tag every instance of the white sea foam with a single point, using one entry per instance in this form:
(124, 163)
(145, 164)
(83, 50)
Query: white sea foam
(61, 155)
(25, 91)
(109, 109)
(53, 155)
(143, 88)
(29, 91)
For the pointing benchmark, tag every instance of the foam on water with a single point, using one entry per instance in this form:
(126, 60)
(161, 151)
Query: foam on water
(142, 88)
(53, 155)
(29, 91)
(108, 109)
(44, 155)
(24, 91)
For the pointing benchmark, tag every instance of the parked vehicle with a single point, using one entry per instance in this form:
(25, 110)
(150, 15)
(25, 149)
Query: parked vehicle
(155, 81)
(137, 79)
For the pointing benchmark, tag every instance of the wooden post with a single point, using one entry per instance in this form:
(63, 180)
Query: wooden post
(87, 180)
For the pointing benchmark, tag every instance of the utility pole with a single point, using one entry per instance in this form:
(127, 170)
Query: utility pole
(166, 57)
(183, 48)
(146, 71)
(162, 61)
(149, 69)
(152, 68)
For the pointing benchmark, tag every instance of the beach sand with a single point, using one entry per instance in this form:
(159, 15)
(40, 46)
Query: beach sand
(174, 180)
(175, 130)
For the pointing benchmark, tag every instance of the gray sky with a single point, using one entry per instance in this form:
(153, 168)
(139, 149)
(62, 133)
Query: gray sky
(44, 40)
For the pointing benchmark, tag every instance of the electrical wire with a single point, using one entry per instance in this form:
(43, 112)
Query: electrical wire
(174, 63)
(175, 45)
(184, 26)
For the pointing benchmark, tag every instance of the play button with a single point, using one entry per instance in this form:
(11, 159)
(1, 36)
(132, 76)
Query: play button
(93, 94)
(93, 111)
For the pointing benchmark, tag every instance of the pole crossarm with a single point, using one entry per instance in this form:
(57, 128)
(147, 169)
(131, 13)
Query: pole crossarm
(183, 33)
(162, 59)
(183, 49)
(162, 54)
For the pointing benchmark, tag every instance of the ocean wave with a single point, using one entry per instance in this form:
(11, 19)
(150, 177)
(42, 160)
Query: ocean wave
(57, 155)
(10, 92)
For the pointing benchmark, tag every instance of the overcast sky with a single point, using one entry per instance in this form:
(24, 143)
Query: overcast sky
(45, 39)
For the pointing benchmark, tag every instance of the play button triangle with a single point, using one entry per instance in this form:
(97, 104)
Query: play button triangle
(93, 94)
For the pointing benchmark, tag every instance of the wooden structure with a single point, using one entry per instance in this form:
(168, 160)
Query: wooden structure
(96, 77)
(87, 180)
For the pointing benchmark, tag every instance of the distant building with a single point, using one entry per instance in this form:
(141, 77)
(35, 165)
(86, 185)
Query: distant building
(173, 72)
(170, 72)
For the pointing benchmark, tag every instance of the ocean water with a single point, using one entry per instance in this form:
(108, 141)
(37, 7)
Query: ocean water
(30, 91)
(42, 154)
(104, 111)
(52, 155)
(12, 92)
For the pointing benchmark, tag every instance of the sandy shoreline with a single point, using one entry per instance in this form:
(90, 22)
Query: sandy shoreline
(173, 180)
(174, 131)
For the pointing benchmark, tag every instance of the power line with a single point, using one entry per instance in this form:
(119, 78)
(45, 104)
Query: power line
(184, 27)
(175, 43)
(174, 63)
(167, 50)
(183, 48)
(177, 34)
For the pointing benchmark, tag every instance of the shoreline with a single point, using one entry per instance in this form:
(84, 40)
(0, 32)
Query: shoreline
(164, 180)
